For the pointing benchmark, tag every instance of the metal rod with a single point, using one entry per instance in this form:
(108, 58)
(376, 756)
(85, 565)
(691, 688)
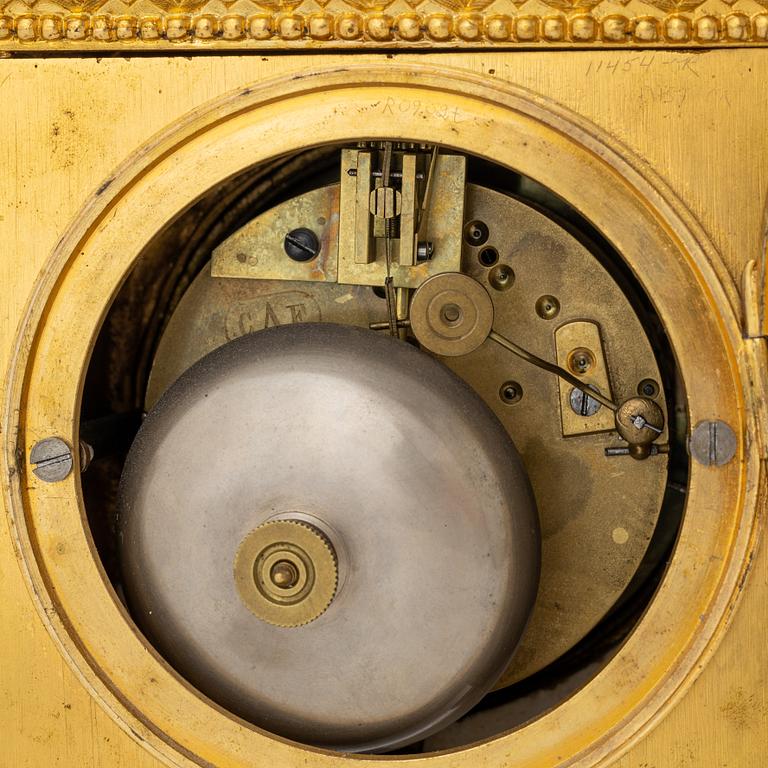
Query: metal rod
(379, 174)
(624, 450)
(389, 287)
(552, 368)
(424, 210)
(403, 305)
(385, 325)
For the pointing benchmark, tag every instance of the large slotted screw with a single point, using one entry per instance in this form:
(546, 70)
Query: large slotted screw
(713, 443)
(301, 244)
(51, 459)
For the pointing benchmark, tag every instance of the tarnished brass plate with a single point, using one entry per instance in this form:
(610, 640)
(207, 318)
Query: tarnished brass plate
(443, 230)
(215, 310)
(256, 250)
(576, 342)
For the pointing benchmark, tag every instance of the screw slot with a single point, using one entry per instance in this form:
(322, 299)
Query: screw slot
(510, 392)
(301, 244)
(51, 459)
(713, 443)
(581, 404)
(488, 256)
(476, 233)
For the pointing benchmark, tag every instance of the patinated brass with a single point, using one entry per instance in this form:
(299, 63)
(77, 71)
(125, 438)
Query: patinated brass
(217, 310)
(640, 421)
(451, 314)
(285, 572)
(342, 218)
(577, 341)
(363, 249)
(257, 249)
(355, 229)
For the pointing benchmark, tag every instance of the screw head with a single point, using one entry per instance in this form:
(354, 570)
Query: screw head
(51, 459)
(547, 307)
(712, 443)
(583, 405)
(476, 233)
(511, 392)
(301, 244)
(581, 361)
(501, 277)
(425, 251)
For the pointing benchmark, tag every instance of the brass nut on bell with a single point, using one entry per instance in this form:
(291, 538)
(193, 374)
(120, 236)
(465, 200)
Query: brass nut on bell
(286, 572)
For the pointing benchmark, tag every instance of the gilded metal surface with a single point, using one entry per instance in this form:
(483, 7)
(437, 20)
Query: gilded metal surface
(285, 572)
(577, 341)
(424, 500)
(585, 569)
(67, 646)
(269, 24)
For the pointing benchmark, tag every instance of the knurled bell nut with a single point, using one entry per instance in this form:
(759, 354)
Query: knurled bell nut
(286, 572)
(451, 314)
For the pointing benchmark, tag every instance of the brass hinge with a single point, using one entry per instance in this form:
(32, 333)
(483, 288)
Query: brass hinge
(754, 295)
(754, 298)
(754, 292)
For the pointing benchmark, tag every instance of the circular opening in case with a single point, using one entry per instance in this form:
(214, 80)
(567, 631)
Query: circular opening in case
(172, 311)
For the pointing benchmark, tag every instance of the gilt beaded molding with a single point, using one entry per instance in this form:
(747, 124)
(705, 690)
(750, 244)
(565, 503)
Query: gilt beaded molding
(310, 24)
